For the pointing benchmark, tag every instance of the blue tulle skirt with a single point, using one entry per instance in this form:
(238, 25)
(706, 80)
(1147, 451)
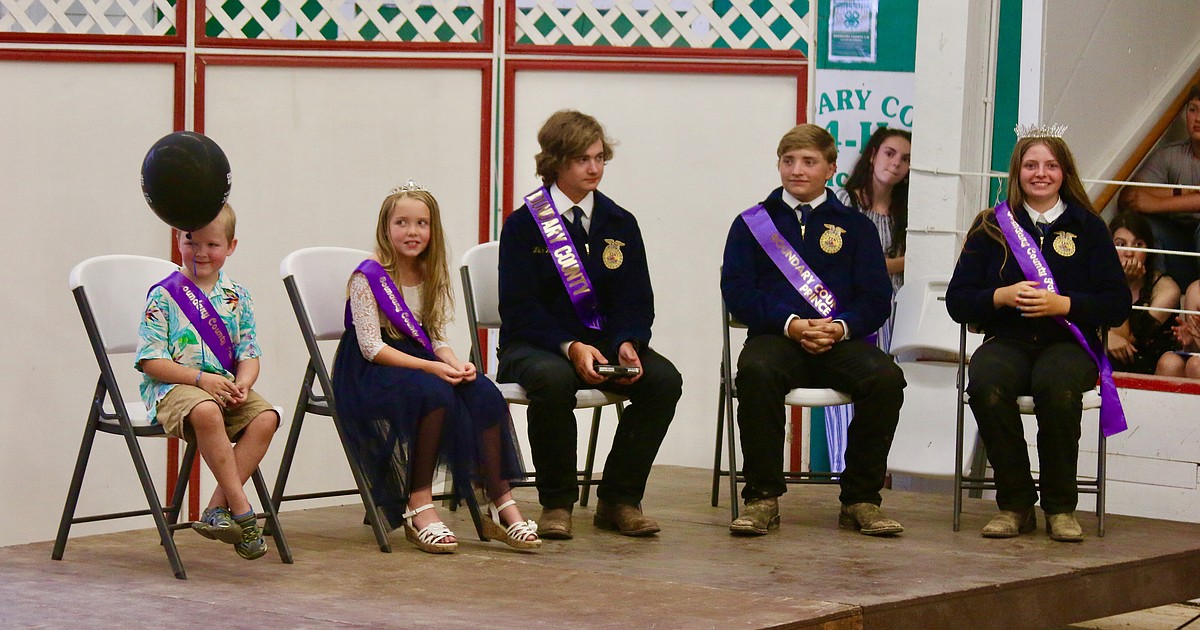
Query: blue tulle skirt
(381, 407)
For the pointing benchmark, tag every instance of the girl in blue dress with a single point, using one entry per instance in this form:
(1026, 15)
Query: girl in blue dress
(410, 406)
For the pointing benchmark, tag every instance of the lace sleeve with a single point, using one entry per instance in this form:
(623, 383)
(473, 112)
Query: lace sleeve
(365, 313)
(448, 317)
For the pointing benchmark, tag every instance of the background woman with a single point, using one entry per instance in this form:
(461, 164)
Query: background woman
(1136, 345)
(878, 188)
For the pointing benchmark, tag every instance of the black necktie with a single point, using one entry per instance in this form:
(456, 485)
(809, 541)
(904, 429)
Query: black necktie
(805, 210)
(1043, 226)
(575, 227)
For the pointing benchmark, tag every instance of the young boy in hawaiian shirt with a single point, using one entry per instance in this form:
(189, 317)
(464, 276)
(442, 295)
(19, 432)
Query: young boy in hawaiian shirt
(193, 396)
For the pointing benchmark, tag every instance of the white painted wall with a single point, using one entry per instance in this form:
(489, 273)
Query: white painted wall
(72, 139)
(311, 166)
(1111, 69)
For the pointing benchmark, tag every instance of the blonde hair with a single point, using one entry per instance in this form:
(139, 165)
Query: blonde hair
(227, 216)
(436, 298)
(808, 137)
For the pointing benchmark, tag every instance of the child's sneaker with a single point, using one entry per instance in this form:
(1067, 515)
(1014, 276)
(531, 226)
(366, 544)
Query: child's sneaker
(218, 524)
(251, 546)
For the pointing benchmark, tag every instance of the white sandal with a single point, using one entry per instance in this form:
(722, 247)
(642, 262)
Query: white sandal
(432, 538)
(519, 535)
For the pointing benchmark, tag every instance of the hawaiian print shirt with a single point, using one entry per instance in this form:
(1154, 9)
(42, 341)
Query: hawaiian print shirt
(166, 333)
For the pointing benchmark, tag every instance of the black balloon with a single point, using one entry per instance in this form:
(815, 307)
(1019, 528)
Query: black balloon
(186, 179)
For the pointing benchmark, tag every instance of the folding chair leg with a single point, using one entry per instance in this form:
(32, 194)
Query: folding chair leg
(960, 384)
(156, 510)
(472, 507)
(289, 451)
(716, 477)
(85, 451)
(978, 466)
(175, 509)
(364, 492)
(1101, 480)
(732, 446)
(271, 514)
(590, 458)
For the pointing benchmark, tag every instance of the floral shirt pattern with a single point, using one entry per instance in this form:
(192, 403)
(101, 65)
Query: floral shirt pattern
(166, 333)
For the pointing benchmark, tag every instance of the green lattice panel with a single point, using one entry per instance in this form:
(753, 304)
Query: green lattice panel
(778, 25)
(428, 21)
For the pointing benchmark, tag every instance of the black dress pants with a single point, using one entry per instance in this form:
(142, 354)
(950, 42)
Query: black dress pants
(1056, 375)
(771, 365)
(550, 382)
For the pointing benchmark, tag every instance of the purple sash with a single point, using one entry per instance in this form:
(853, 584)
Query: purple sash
(565, 257)
(790, 264)
(204, 318)
(391, 303)
(1033, 264)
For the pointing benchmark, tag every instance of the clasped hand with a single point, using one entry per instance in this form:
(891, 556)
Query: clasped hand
(454, 375)
(1187, 331)
(228, 393)
(815, 336)
(1028, 297)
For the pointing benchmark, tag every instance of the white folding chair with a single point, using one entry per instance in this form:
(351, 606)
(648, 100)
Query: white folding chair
(110, 292)
(799, 397)
(925, 346)
(481, 290)
(316, 280)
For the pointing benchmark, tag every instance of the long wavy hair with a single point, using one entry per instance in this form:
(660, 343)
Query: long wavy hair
(860, 187)
(1071, 191)
(436, 298)
(565, 135)
(1137, 225)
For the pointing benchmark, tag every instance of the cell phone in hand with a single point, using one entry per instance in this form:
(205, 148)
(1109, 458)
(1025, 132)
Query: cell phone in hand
(616, 370)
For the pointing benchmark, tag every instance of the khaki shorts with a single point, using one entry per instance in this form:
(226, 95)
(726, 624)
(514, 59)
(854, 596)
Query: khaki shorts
(180, 401)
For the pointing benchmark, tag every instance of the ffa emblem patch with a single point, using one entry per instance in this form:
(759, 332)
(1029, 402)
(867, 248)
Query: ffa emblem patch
(613, 256)
(831, 240)
(1064, 244)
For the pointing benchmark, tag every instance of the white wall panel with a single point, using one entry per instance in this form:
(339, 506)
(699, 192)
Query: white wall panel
(314, 151)
(72, 139)
(1111, 69)
(692, 151)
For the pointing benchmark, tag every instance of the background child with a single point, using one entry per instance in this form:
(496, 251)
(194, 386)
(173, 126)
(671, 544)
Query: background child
(398, 398)
(190, 391)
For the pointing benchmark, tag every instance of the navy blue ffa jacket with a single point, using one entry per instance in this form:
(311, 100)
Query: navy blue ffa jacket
(840, 245)
(1080, 253)
(534, 305)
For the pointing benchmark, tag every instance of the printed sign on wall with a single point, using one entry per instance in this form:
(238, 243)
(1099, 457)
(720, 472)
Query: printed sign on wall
(852, 104)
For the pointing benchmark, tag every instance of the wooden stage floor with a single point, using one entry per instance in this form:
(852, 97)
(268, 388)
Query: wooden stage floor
(809, 574)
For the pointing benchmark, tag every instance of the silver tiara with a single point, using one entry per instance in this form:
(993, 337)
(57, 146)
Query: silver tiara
(409, 186)
(1054, 130)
